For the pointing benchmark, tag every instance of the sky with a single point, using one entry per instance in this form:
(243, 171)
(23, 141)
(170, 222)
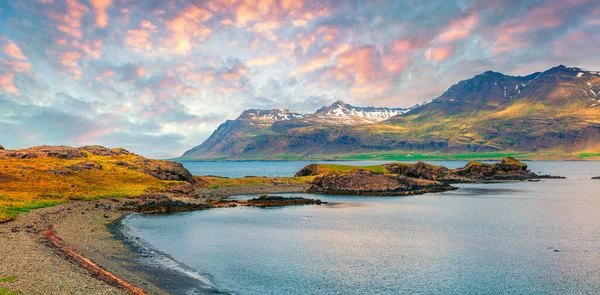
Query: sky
(158, 76)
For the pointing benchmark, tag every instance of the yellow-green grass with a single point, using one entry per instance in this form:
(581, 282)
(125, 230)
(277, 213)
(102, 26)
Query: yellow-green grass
(219, 182)
(337, 168)
(5, 291)
(27, 184)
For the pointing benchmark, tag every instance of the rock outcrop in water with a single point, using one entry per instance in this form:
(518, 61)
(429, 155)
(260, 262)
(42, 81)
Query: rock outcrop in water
(369, 183)
(408, 179)
(265, 201)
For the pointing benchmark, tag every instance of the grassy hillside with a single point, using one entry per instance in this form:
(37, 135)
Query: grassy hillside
(42, 181)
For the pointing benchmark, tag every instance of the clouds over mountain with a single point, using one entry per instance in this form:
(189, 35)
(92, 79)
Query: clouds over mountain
(158, 76)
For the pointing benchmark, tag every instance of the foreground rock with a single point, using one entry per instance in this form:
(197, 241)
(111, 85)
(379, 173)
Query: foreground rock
(161, 203)
(597, 177)
(408, 179)
(268, 201)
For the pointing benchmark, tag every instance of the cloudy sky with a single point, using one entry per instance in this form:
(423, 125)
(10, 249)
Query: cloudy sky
(158, 76)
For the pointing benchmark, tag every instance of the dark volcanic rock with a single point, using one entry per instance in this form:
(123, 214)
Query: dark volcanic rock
(376, 184)
(310, 170)
(596, 177)
(158, 203)
(418, 170)
(276, 201)
(167, 170)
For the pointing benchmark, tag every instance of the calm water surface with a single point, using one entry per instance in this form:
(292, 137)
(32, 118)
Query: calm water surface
(273, 168)
(519, 238)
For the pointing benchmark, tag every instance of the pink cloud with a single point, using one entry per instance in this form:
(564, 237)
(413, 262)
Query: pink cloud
(70, 60)
(7, 83)
(17, 66)
(459, 29)
(187, 29)
(515, 33)
(262, 61)
(100, 8)
(439, 54)
(13, 50)
(71, 21)
(311, 66)
(139, 39)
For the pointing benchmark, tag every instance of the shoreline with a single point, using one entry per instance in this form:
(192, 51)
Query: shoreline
(94, 230)
(164, 271)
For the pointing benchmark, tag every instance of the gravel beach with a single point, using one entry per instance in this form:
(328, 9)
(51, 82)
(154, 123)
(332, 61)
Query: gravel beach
(88, 228)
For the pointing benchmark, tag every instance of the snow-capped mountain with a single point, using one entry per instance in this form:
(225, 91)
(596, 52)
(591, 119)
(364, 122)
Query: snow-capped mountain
(343, 113)
(267, 117)
(555, 110)
(339, 113)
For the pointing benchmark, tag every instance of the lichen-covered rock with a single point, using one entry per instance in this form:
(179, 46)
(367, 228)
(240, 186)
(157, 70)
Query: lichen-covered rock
(508, 169)
(418, 170)
(103, 151)
(84, 166)
(166, 170)
(60, 152)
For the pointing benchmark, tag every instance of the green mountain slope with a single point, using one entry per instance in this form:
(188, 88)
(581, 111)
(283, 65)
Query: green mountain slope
(555, 113)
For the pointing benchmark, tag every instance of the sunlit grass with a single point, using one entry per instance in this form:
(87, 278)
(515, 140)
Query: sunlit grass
(5, 291)
(28, 184)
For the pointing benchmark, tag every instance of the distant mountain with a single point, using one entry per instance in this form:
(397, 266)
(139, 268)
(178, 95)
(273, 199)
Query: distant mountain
(556, 111)
(343, 113)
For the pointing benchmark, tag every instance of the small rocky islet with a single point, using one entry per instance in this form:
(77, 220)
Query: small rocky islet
(399, 179)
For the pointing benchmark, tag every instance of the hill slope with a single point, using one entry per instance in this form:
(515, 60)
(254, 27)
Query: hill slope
(554, 112)
(44, 176)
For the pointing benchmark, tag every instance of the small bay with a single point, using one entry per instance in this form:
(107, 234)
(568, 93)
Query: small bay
(516, 237)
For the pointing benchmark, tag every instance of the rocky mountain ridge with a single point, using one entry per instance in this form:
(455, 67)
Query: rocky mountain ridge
(555, 111)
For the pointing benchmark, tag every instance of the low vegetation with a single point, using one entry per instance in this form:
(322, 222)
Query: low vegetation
(5, 291)
(214, 182)
(46, 180)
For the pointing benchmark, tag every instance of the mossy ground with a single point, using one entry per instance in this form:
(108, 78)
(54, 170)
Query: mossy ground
(28, 184)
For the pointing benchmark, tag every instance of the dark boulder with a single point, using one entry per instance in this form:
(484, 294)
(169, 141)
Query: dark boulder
(166, 170)
(310, 170)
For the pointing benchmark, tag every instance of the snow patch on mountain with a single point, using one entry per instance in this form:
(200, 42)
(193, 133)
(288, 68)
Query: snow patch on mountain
(340, 112)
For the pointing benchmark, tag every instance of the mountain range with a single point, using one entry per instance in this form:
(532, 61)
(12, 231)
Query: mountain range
(556, 112)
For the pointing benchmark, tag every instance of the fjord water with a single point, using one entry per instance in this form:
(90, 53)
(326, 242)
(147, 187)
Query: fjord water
(520, 238)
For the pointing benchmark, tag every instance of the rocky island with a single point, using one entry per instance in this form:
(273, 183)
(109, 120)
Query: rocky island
(398, 179)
